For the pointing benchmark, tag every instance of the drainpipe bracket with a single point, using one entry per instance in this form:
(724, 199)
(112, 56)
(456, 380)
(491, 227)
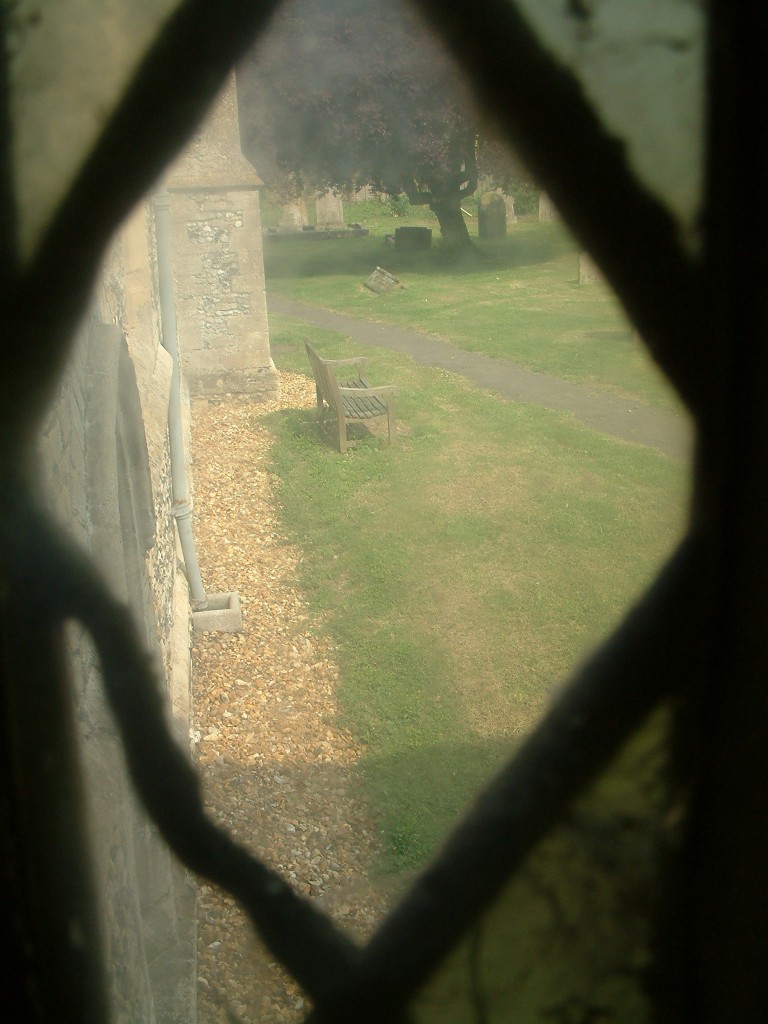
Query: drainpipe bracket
(182, 509)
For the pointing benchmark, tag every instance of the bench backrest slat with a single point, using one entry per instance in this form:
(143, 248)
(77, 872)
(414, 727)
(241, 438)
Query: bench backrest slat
(325, 379)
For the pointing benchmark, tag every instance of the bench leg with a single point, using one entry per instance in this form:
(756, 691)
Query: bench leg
(342, 435)
(391, 428)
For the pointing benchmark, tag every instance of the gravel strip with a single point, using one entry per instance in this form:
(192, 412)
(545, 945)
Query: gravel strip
(277, 769)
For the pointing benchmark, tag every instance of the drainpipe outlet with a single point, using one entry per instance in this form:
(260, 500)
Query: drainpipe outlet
(221, 614)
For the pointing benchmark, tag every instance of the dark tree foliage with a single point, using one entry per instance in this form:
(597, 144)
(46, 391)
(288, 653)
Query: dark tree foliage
(351, 92)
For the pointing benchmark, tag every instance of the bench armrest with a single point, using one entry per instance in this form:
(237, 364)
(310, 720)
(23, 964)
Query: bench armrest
(384, 389)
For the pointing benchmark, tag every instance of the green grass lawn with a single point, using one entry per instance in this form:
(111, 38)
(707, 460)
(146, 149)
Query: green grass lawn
(461, 572)
(519, 300)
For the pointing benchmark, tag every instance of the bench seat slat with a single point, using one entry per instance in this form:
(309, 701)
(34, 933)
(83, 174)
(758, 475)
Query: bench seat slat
(363, 408)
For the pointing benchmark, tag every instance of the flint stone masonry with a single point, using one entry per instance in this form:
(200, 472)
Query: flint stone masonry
(106, 477)
(218, 261)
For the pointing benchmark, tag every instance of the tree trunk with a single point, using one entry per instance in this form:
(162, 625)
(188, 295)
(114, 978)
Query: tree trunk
(452, 225)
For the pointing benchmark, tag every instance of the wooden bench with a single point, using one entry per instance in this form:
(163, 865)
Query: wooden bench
(354, 400)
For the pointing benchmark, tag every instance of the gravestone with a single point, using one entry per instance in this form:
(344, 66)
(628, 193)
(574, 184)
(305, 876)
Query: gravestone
(329, 210)
(509, 203)
(413, 239)
(492, 216)
(293, 216)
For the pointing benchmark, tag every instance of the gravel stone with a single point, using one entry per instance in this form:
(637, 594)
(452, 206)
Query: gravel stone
(278, 771)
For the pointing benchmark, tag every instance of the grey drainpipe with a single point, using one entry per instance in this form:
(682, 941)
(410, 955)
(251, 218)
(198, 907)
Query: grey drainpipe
(182, 504)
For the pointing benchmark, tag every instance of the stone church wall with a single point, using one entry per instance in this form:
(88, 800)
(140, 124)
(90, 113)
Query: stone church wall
(106, 474)
(105, 468)
(218, 260)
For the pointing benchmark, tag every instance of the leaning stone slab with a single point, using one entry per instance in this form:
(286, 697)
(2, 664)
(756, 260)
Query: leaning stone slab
(381, 282)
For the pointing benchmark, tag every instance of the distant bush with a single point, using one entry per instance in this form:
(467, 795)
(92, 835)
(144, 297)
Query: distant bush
(361, 209)
(525, 196)
(400, 205)
(384, 205)
(381, 211)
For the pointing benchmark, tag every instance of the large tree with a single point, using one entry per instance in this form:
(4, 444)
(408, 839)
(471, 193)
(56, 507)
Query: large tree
(350, 92)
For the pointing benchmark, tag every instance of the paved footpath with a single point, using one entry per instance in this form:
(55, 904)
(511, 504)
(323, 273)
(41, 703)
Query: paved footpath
(601, 410)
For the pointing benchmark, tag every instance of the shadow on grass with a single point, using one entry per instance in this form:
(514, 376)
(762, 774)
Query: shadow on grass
(303, 429)
(358, 256)
(419, 794)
